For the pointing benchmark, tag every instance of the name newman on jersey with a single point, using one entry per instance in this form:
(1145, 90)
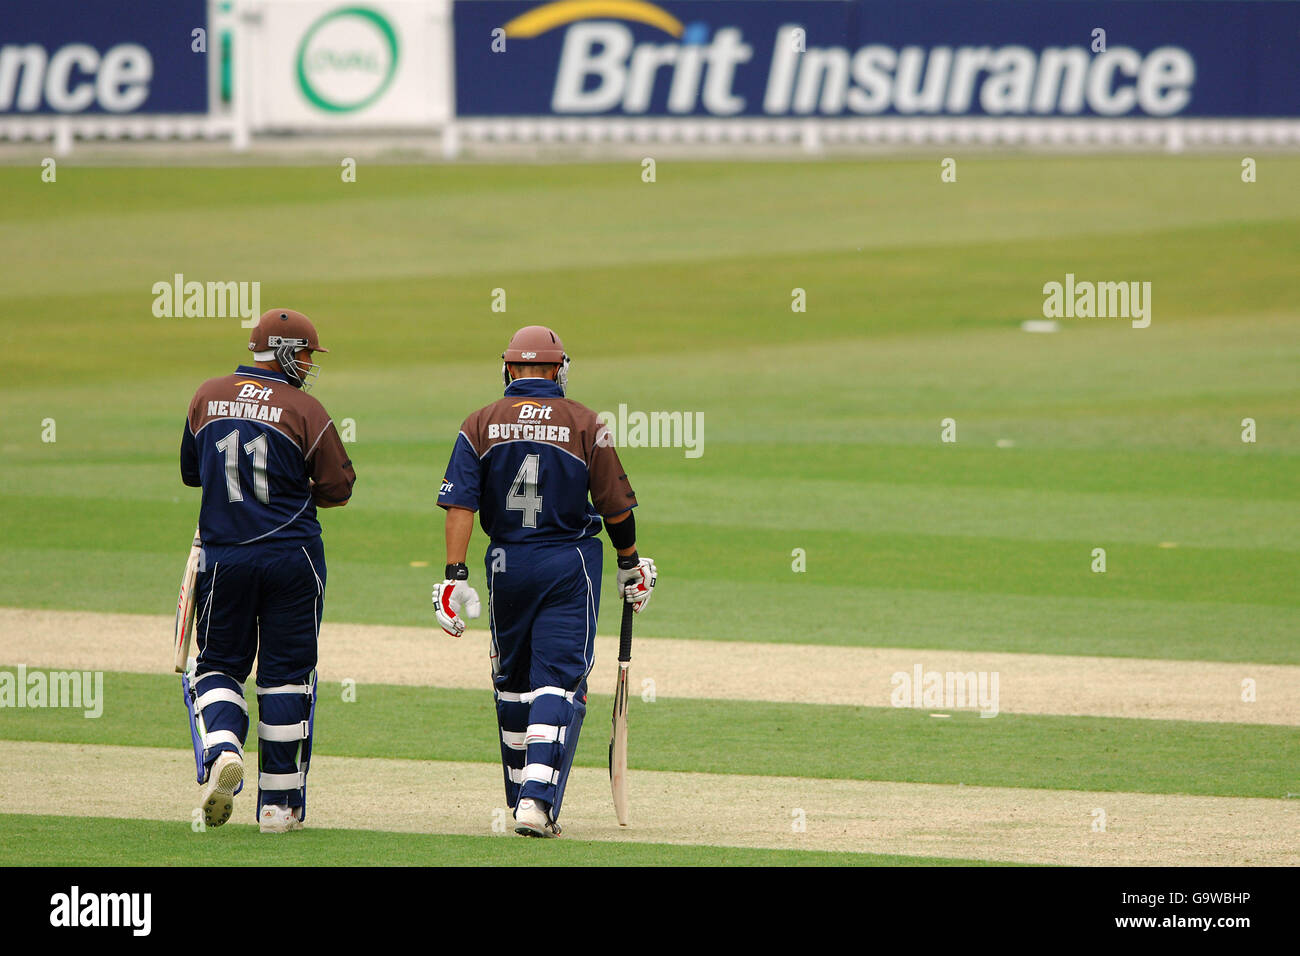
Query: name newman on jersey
(250, 410)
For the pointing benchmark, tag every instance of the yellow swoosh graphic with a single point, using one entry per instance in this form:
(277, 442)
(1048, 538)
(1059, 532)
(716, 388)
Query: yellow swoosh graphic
(552, 15)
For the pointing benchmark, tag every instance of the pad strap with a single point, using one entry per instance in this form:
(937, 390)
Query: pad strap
(541, 773)
(283, 733)
(282, 781)
(532, 695)
(221, 693)
(285, 689)
(214, 737)
(545, 734)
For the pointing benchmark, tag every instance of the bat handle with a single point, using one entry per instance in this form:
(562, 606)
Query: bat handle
(625, 635)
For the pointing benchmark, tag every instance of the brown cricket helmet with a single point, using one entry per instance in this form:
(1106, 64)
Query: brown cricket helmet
(281, 334)
(536, 345)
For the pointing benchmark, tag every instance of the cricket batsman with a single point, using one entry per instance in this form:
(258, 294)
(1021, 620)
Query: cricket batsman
(266, 455)
(543, 474)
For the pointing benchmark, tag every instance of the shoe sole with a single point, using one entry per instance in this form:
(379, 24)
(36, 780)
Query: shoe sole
(546, 830)
(219, 802)
(297, 825)
(524, 829)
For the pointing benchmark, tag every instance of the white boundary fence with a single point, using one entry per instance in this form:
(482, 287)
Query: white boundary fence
(62, 131)
(810, 135)
(815, 134)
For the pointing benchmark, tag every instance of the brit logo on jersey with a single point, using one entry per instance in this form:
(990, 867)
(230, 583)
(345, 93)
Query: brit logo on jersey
(254, 390)
(446, 487)
(532, 411)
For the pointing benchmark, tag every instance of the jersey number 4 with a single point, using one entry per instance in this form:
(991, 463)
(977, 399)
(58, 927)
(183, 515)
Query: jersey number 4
(255, 449)
(523, 496)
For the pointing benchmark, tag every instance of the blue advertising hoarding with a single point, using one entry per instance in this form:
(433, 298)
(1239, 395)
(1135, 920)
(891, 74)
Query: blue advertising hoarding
(102, 57)
(858, 58)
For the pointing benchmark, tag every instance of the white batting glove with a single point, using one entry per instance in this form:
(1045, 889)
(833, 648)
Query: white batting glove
(450, 600)
(637, 583)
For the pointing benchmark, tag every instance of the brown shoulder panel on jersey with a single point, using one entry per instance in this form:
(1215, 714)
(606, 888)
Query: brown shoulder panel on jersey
(519, 418)
(329, 465)
(565, 424)
(470, 429)
(293, 413)
(275, 404)
(611, 492)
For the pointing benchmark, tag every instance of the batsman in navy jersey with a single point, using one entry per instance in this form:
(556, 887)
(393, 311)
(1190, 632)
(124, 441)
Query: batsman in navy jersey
(544, 477)
(266, 455)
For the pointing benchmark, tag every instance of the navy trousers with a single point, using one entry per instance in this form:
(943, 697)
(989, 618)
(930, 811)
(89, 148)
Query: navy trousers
(264, 604)
(542, 609)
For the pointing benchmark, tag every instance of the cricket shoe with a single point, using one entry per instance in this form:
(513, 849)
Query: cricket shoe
(218, 795)
(532, 820)
(277, 818)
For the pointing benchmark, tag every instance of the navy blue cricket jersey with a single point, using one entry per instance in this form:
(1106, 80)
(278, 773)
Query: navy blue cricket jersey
(537, 467)
(264, 452)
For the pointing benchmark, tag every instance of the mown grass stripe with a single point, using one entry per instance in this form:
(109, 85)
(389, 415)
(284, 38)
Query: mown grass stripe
(44, 840)
(758, 210)
(893, 506)
(734, 737)
(975, 563)
(832, 610)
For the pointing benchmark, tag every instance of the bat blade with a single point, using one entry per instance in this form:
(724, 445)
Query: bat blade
(185, 609)
(618, 749)
(618, 729)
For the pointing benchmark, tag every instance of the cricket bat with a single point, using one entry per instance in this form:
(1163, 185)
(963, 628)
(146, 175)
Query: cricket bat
(618, 732)
(185, 607)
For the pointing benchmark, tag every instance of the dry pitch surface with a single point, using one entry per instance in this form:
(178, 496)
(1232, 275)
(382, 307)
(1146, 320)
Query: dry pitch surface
(1031, 825)
(727, 670)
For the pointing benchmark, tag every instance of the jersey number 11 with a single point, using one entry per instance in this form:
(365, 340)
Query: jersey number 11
(255, 449)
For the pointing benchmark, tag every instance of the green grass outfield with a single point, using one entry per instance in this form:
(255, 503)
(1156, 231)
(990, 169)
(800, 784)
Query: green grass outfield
(98, 841)
(715, 736)
(822, 428)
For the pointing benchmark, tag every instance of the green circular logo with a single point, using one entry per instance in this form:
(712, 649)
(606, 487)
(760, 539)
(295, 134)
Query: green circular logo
(347, 59)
